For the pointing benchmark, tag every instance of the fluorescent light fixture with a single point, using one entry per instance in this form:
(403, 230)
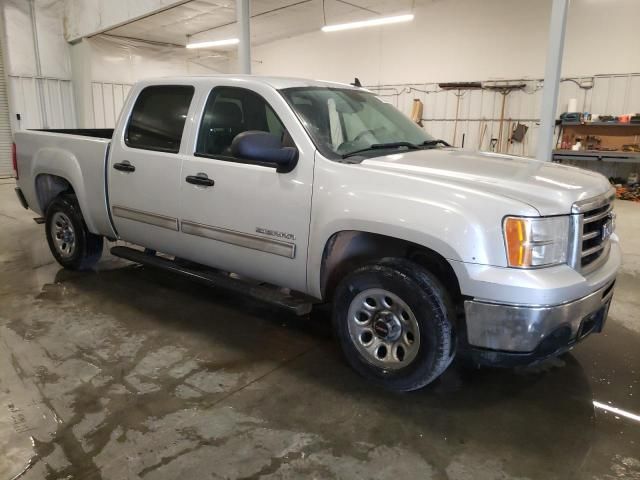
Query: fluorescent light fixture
(616, 411)
(374, 22)
(215, 43)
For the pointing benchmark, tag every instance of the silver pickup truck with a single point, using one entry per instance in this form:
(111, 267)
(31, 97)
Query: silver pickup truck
(299, 192)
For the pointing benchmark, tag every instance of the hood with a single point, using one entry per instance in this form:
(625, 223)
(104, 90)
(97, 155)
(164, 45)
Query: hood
(548, 187)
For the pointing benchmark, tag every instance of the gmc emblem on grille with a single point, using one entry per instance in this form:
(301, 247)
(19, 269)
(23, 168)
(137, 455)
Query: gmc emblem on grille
(607, 228)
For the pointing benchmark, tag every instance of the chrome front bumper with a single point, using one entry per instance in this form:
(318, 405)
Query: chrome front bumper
(525, 328)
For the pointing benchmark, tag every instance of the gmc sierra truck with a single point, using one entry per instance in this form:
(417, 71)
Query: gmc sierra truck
(300, 192)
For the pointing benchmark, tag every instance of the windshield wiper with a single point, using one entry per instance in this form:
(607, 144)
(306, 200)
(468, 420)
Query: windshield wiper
(382, 146)
(433, 143)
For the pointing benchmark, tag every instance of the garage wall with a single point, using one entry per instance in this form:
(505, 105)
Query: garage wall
(38, 66)
(470, 40)
(479, 110)
(105, 68)
(465, 40)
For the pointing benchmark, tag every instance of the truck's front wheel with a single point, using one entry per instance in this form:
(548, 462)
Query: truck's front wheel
(393, 321)
(71, 243)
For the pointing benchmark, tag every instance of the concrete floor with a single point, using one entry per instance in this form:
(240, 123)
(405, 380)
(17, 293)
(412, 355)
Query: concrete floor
(128, 373)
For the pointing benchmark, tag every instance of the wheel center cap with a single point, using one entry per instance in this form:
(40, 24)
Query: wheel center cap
(387, 326)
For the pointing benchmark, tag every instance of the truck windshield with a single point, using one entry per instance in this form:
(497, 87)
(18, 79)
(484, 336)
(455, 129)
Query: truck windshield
(345, 122)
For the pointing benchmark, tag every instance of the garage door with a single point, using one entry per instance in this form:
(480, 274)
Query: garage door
(6, 165)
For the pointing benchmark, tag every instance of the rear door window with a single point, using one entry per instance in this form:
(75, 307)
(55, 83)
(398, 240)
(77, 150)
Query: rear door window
(158, 117)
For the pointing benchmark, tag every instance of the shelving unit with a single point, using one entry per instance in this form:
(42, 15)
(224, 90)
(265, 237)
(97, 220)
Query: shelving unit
(613, 136)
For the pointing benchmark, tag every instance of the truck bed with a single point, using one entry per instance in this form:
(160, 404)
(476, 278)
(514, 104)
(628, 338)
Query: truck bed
(78, 157)
(83, 132)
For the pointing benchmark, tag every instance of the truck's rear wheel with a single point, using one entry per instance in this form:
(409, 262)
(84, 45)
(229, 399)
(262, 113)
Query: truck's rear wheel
(393, 321)
(71, 243)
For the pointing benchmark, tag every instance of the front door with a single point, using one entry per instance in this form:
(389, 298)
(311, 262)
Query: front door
(144, 167)
(250, 219)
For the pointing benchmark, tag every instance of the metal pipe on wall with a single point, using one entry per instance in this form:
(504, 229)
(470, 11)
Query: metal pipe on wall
(243, 15)
(36, 52)
(555, 49)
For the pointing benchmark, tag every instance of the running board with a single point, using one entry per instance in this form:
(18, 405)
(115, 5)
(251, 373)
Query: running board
(299, 305)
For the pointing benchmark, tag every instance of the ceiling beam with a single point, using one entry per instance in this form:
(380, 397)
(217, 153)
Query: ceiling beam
(299, 2)
(150, 42)
(135, 19)
(358, 6)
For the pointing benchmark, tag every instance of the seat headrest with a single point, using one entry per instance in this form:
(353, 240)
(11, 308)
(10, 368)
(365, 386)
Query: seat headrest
(226, 114)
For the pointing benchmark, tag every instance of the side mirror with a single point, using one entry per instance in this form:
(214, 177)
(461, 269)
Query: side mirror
(264, 147)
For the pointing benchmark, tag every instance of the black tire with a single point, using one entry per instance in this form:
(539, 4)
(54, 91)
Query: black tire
(432, 310)
(88, 247)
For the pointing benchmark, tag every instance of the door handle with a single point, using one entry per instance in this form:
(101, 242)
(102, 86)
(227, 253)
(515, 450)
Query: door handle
(124, 166)
(200, 179)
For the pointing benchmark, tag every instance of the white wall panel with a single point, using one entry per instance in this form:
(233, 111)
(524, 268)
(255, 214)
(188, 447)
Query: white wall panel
(40, 92)
(108, 100)
(109, 109)
(54, 51)
(18, 33)
(99, 120)
(41, 103)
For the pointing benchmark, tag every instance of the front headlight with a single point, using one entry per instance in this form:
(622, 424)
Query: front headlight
(536, 242)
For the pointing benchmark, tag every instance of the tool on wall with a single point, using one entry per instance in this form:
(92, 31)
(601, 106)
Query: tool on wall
(504, 90)
(482, 130)
(462, 88)
(416, 111)
(518, 132)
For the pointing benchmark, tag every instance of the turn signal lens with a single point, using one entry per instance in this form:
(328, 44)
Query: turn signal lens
(536, 242)
(516, 234)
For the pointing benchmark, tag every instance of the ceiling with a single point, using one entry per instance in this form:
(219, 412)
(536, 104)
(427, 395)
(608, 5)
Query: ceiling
(202, 20)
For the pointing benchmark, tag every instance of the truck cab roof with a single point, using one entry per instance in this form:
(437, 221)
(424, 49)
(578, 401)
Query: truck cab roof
(278, 83)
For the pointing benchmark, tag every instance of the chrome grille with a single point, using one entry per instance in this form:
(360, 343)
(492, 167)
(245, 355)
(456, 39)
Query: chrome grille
(592, 229)
(593, 241)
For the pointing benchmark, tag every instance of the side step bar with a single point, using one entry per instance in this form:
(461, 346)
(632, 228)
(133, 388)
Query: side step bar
(299, 305)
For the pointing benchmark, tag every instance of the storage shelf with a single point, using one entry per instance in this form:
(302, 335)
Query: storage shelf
(596, 156)
(599, 124)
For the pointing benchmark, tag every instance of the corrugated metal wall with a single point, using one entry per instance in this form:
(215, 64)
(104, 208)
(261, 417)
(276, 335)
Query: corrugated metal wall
(42, 102)
(107, 100)
(601, 94)
(6, 139)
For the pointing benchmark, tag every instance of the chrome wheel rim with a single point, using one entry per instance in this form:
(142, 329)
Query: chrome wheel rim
(383, 329)
(64, 237)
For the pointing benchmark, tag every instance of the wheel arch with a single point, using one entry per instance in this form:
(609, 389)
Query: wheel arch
(48, 187)
(347, 250)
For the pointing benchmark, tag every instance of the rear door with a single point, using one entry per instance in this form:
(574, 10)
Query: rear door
(144, 166)
(249, 219)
